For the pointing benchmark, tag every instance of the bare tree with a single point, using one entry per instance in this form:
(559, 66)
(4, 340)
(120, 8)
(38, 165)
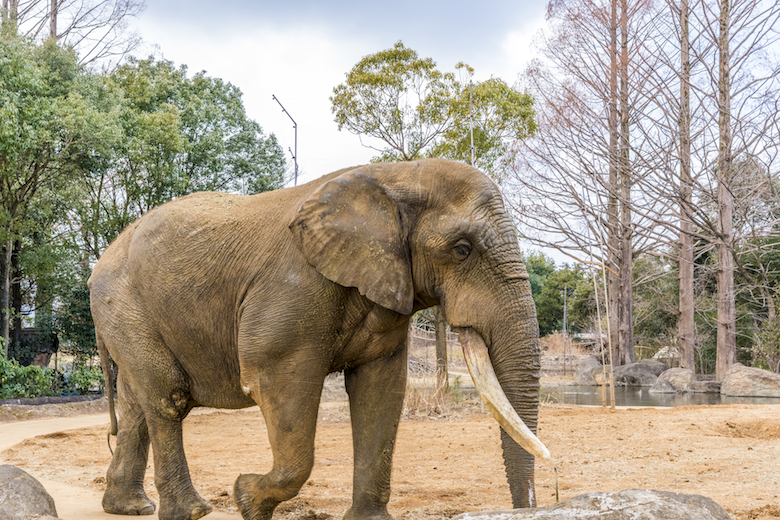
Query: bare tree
(687, 321)
(725, 112)
(727, 312)
(96, 29)
(588, 97)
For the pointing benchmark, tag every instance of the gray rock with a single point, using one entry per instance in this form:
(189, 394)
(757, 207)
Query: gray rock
(662, 387)
(705, 387)
(674, 380)
(658, 367)
(22, 497)
(584, 375)
(631, 504)
(635, 374)
(747, 381)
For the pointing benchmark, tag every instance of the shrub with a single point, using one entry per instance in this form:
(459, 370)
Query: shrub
(83, 379)
(19, 382)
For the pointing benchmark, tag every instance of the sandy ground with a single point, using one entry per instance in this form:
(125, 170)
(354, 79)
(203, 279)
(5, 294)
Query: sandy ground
(445, 463)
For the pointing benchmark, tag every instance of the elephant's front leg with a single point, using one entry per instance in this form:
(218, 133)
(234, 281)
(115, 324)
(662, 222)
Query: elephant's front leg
(289, 398)
(376, 398)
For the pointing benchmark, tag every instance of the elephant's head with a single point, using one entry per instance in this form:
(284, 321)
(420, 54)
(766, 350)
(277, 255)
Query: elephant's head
(413, 235)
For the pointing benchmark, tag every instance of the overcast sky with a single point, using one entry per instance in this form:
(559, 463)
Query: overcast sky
(299, 50)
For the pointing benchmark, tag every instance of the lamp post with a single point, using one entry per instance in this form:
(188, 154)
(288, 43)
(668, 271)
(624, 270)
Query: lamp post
(295, 127)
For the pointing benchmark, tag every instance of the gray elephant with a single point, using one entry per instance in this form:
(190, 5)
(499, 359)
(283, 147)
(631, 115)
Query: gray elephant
(229, 301)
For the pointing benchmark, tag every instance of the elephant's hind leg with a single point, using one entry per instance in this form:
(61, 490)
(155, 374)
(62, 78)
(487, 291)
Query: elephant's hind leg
(166, 402)
(178, 498)
(124, 493)
(290, 411)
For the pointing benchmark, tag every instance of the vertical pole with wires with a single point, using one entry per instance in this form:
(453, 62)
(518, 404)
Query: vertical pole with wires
(295, 127)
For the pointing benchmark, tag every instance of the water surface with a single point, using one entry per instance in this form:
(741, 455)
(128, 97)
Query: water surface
(640, 396)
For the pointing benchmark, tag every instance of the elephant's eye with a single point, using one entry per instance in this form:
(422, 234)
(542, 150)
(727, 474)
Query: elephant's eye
(462, 249)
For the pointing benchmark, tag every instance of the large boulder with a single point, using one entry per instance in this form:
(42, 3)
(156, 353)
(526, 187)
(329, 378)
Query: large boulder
(631, 504)
(683, 380)
(22, 497)
(674, 380)
(584, 375)
(658, 367)
(753, 382)
(635, 374)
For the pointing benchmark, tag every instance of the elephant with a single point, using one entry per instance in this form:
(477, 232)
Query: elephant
(228, 301)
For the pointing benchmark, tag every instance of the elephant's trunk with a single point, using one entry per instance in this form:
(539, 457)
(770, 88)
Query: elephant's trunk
(489, 388)
(512, 339)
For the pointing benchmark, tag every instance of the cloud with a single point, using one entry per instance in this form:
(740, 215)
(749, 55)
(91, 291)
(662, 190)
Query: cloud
(300, 50)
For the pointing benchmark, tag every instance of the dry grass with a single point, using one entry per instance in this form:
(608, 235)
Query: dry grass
(425, 400)
(554, 344)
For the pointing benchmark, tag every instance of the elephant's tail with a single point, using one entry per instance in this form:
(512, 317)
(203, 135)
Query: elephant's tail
(105, 365)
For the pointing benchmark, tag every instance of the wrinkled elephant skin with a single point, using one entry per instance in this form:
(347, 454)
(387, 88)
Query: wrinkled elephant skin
(228, 301)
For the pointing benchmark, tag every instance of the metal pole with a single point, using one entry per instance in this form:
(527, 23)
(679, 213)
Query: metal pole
(565, 325)
(295, 127)
(471, 121)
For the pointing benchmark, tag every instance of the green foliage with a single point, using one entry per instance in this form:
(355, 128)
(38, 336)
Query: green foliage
(83, 154)
(180, 135)
(418, 111)
(19, 382)
(83, 379)
(47, 125)
(496, 115)
(580, 303)
(74, 321)
(539, 267)
(397, 97)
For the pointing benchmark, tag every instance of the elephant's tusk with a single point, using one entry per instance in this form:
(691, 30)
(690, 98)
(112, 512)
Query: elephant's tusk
(481, 370)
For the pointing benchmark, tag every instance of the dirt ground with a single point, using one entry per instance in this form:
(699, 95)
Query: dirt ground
(450, 463)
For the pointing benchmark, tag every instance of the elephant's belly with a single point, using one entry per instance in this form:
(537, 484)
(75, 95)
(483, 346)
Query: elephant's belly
(221, 397)
(215, 383)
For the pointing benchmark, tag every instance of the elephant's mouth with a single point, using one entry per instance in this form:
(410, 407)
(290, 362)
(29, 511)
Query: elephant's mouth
(481, 370)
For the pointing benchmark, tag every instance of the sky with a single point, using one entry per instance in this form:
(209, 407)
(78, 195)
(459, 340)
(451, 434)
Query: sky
(298, 50)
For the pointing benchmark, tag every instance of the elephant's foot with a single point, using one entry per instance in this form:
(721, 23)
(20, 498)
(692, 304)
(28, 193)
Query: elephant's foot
(379, 513)
(184, 509)
(134, 503)
(254, 499)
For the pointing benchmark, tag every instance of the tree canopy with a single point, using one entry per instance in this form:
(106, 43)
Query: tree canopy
(406, 102)
(84, 153)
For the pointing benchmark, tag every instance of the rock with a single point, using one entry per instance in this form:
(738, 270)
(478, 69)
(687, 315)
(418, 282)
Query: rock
(705, 387)
(631, 504)
(658, 367)
(662, 387)
(22, 497)
(635, 374)
(681, 380)
(747, 381)
(674, 380)
(584, 375)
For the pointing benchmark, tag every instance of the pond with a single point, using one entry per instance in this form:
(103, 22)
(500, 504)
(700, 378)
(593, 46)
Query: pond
(640, 396)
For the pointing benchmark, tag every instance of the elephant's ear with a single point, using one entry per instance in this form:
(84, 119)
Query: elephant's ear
(350, 231)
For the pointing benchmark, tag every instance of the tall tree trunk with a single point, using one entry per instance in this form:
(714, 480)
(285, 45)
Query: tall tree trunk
(726, 341)
(5, 292)
(686, 324)
(16, 297)
(626, 230)
(440, 326)
(53, 19)
(613, 224)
